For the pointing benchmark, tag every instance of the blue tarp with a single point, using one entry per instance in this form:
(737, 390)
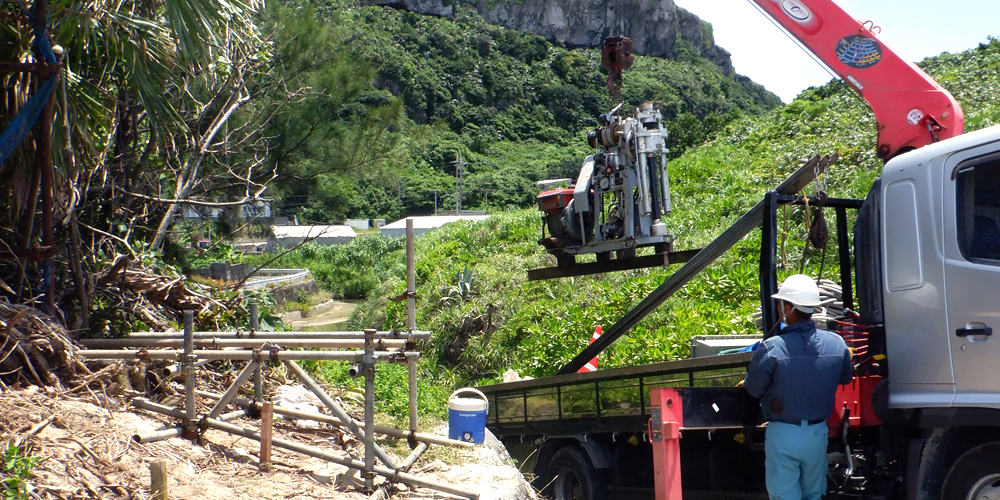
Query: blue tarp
(29, 114)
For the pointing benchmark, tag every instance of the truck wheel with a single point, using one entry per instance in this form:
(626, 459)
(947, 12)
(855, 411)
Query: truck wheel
(975, 475)
(572, 477)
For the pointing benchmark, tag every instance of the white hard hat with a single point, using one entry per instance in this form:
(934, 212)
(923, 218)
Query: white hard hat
(799, 290)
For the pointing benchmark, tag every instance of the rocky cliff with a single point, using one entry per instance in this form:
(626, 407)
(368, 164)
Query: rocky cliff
(655, 26)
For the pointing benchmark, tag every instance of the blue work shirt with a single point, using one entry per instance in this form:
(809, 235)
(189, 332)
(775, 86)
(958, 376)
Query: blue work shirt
(800, 368)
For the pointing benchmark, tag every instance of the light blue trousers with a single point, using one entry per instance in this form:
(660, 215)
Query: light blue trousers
(795, 460)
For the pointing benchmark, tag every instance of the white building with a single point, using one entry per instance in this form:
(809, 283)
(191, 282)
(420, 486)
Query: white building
(423, 224)
(361, 224)
(289, 236)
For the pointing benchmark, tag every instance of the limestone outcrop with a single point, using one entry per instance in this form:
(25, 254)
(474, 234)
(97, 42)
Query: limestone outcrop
(655, 26)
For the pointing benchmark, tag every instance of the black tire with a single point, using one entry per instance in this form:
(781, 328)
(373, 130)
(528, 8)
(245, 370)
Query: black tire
(975, 475)
(571, 476)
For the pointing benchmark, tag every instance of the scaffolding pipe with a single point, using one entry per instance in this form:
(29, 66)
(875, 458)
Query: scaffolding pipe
(337, 410)
(218, 343)
(175, 368)
(411, 367)
(145, 404)
(152, 437)
(188, 360)
(230, 393)
(233, 415)
(414, 456)
(304, 415)
(411, 319)
(160, 435)
(390, 474)
(369, 370)
(258, 380)
(169, 354)
(388, 335)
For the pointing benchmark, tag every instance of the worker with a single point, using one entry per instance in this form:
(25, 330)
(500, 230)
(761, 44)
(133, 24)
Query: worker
(795, 375)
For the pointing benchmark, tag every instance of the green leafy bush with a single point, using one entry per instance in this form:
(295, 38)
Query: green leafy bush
(16, 471)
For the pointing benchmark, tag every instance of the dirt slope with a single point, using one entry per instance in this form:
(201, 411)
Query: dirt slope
(87, 452)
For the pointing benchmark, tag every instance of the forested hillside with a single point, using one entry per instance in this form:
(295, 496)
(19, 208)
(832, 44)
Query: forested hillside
(512, 106)
(535, 327)
(320, 109)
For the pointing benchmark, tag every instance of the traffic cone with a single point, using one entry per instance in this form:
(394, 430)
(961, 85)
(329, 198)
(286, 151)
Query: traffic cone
(592, 365)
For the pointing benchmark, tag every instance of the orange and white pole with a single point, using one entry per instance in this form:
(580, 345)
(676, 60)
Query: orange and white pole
(591, 366)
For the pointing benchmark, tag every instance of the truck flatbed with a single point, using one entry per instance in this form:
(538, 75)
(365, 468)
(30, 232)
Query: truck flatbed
(617, 400)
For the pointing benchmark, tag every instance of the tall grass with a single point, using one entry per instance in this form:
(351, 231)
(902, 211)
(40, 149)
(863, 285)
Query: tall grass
(535, 327)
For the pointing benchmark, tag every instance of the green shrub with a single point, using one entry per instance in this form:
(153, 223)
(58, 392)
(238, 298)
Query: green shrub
(16, 471)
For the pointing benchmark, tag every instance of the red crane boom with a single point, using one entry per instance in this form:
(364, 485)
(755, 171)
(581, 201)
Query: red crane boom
(912, 110)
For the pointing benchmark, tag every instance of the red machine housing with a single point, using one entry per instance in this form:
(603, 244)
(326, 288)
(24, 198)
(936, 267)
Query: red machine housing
(554, 200)
(857, 397)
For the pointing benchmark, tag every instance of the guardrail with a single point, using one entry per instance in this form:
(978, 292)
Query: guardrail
(266, 277)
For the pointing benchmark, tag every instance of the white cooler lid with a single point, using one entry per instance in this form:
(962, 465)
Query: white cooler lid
(466, 404)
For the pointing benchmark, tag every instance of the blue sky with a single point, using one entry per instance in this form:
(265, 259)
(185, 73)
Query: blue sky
(915, 29)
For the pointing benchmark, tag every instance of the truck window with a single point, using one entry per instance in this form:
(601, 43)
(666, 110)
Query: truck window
(903, 263)
(978, 197)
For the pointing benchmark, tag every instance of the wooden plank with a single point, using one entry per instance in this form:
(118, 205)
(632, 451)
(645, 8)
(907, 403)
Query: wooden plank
(158, 480)
(266, 431)
(609, 266)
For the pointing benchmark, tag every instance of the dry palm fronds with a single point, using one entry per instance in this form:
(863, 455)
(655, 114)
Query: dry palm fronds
(34, 347)
(158, 291)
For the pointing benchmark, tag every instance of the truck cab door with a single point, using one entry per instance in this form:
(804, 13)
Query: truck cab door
(972, 273)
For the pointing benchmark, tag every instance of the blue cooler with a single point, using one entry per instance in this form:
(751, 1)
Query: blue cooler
(467, 416)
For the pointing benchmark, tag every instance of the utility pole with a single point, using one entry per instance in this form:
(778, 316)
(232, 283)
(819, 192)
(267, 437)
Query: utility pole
(459, 173)
(435, 202)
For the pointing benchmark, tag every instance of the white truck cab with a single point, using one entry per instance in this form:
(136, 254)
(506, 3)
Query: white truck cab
(939, 228)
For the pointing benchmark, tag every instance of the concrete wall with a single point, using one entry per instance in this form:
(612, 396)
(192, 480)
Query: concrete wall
(223, 271)
(290, 293)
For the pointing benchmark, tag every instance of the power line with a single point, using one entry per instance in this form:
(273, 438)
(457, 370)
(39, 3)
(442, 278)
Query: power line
(798, 43)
